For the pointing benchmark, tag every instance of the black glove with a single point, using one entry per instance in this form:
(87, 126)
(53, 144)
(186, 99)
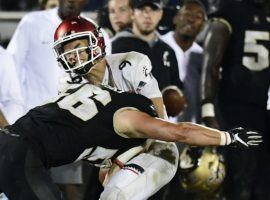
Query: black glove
(241, 137)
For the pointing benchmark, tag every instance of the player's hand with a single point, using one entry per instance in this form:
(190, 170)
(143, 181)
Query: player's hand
(210, 122)
(241, 137)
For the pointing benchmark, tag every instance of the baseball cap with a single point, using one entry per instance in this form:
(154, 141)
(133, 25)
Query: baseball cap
(153, 3)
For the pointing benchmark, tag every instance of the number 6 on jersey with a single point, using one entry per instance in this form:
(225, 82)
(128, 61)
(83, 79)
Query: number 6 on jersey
(82, 102)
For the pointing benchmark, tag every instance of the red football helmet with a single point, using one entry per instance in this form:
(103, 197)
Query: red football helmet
(77, 28)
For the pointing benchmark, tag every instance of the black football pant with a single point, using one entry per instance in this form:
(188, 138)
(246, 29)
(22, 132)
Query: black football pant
(22, 174)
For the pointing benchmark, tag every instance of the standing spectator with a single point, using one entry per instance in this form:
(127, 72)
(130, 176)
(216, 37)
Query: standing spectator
(11, 100)
(120, 12)
(240, 44)
(144, 38)
(188, 22)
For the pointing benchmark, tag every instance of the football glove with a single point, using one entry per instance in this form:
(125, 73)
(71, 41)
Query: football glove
(240, 137)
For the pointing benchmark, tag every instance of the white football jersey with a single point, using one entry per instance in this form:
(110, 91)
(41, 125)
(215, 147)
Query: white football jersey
(131, 72)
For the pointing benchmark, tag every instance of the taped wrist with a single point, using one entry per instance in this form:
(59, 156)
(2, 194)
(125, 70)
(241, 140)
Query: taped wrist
(225, 138)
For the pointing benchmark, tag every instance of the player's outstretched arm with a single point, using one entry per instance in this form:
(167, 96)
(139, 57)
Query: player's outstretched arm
(136, 124)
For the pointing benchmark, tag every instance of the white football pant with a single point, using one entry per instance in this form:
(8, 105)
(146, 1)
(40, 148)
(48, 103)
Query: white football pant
(145, 174)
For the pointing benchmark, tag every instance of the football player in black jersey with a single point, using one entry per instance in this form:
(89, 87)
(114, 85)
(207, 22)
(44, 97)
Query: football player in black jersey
(238, 40)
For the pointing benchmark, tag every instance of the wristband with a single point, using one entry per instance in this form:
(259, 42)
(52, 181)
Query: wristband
(225, 138)
(208, 110)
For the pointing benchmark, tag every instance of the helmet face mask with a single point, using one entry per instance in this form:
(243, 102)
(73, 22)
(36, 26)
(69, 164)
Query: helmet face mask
(78, 45)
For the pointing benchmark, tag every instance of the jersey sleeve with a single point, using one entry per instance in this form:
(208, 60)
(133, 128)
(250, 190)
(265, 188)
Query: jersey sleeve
(140, 76)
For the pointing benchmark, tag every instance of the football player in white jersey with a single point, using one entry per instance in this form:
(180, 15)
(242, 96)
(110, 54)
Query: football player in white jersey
(125, 71)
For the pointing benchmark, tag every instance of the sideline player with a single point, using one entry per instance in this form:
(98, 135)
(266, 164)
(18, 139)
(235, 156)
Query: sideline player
(236, 77)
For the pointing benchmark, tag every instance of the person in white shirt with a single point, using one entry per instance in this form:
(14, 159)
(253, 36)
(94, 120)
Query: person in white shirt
(189, 22)
(11, 100)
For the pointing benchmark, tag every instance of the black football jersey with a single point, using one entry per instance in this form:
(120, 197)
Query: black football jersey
(245, 67)
(78, 124)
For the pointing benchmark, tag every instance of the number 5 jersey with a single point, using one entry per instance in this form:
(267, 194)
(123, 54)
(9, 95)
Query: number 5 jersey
(245, 77)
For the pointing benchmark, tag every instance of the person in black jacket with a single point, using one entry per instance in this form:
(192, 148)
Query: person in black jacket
(144, 38)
